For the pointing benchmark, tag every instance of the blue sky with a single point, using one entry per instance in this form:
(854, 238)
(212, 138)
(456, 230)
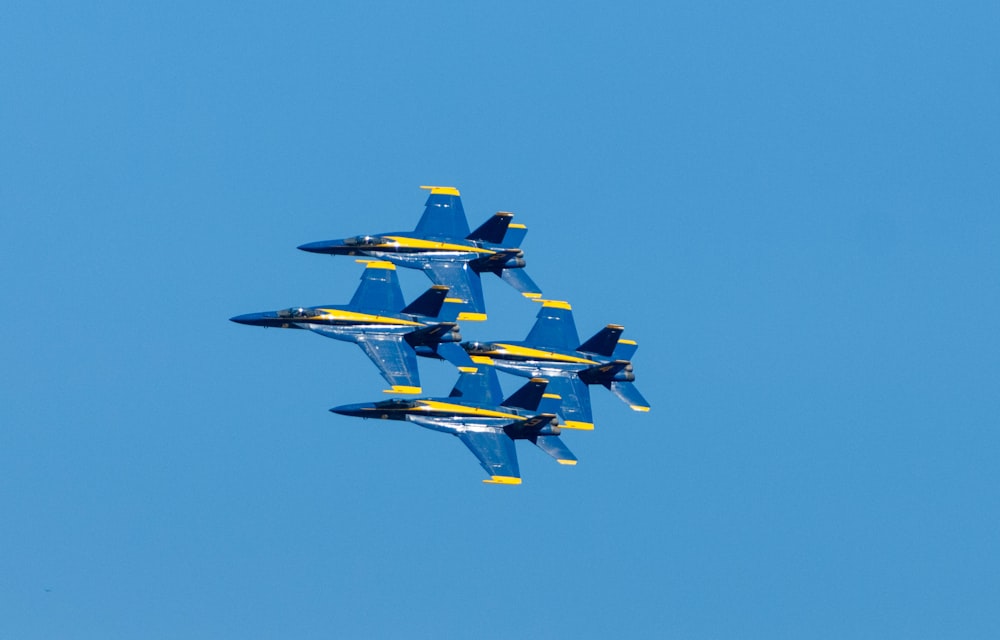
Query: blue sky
(793, 208)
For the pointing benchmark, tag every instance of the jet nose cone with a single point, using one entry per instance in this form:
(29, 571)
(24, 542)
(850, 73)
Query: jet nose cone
(255, 319)
(324, 246)
(362, 409)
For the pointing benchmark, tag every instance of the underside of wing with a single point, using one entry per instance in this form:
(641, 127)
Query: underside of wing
(496, 453)
(395, 359)
(554, 327)
(379, 289)
(575, 401)
(463, 283)
(443, 215)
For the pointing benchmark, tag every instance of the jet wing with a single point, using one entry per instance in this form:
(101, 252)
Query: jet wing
(464, 283)
(444, 216)
(496, 453)
(395, 359)
(554, 327)
(575, 406)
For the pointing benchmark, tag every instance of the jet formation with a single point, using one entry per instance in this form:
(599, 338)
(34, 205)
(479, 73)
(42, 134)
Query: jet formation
(394, 334)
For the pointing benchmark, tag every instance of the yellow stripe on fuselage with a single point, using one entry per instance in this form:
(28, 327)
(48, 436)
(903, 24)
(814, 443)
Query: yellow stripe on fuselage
(462, 410)
(361, 318)
(537, 354)
(431, 245)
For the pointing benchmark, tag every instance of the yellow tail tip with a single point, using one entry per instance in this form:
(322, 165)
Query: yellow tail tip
(503, 480)
(399, 388)
(446, 191)
(576, 424)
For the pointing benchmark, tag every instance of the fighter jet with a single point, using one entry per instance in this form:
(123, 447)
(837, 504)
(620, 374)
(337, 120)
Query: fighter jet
(553, 350)
(444, 248)
(378, 320)
(488, 425)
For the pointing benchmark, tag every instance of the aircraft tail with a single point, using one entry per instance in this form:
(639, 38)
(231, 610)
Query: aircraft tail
(443, 214)
(604, 341)
(605, 374)
(478, 383)
(515, 235)
(379, 289)
(494, 229)
(434, 334)
(625, 350)
(529, 396)
(429, 303)
(542, 430)
(629, 395)
(555, 447)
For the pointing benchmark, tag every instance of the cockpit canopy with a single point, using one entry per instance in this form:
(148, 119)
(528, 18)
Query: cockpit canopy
(481, 347)
(364, 241)
(297, 312)
(396, 403)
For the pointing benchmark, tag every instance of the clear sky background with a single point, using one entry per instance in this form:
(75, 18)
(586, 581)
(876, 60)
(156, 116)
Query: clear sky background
(793, 208)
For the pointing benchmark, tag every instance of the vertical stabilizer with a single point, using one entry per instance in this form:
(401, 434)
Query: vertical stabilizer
(379, 289)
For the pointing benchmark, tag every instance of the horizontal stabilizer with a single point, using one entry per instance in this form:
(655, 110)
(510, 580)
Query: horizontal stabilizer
(528, 396)
(630, 395)
(433, 334)
(555, 447)
(519, 279)
(494, 229)
(605, 374)
(429, 303)
(604, 341)
(498, 261)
